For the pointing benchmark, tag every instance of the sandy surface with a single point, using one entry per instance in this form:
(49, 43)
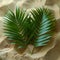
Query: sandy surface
(7, 53)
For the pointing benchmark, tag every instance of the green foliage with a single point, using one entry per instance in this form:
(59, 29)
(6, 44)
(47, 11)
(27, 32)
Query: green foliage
(44, 26)
(35, 28)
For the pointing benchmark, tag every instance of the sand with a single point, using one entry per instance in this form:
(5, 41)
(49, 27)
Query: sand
(50, 52)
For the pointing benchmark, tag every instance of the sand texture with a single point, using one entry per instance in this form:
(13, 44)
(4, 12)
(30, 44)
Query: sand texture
(49, 52)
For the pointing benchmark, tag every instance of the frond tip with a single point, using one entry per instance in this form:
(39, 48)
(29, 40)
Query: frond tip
(36, 28)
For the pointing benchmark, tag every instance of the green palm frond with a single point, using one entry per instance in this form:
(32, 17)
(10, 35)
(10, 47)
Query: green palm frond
(43, 25)
(15, 27)
(24, 28)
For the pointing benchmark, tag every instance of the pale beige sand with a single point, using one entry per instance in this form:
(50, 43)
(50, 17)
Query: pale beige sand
(50, 52)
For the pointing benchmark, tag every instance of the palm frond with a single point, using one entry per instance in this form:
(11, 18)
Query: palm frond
(43, 26)
(15, 26)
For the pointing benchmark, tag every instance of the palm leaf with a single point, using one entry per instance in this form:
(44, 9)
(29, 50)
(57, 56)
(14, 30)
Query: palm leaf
(43, 26)
(15, 27)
